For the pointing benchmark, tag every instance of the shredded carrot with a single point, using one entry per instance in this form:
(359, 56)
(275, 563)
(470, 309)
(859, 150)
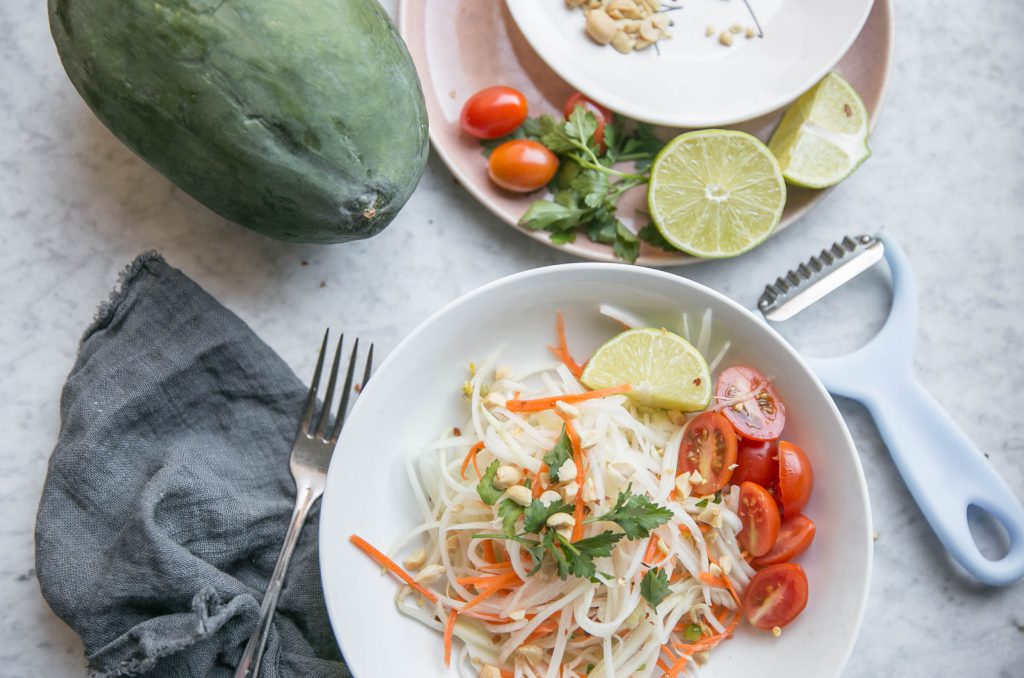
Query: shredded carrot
(449, 627)
(546, 628)
(562, 350)
(540, 404)
(488, 548)
(711, 641)
(471, 456)
(581, 474)
(652, 547)
(667, 651)
(725, 580)
(498, 582)
(386, 562)
(711, 580)
(503, 565)
(678, 666)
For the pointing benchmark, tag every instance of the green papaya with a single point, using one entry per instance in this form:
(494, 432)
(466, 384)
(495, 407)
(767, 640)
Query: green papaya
(303, 120)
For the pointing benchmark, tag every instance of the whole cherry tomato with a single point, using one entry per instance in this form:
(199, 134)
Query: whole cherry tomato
(493, 112)
(522, 165)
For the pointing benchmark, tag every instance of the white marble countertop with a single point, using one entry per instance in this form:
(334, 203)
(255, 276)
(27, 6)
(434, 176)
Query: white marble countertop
(945, 179)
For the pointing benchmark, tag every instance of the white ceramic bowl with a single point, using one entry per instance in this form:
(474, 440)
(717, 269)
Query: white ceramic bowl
(692, 80)
(416, 394)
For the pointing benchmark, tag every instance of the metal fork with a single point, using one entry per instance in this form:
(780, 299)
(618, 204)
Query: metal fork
(311, 454)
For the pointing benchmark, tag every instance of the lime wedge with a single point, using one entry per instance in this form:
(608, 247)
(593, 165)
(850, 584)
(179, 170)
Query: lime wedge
(664, 369)
(716, 193)
(823, 136)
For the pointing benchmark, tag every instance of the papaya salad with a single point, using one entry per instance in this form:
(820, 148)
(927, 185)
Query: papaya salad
(620, 517)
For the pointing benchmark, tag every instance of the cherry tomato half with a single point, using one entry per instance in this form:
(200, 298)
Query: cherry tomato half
(760, 518)
(776, 595)
(603, 115)
(795, 537)
(757, 462)
(521, 165)
(709, 448)
(493, 112)
(796, 479)
(759, 413)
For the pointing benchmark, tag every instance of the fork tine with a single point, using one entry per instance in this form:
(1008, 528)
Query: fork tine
(325, 413)
(369, 369)
(307, 414)
(346, 392)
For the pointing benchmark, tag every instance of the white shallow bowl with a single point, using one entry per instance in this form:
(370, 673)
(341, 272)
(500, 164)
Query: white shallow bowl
(416, 394)
(692, 80)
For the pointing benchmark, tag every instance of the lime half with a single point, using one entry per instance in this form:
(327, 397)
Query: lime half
(664, 369)
(823, 137)
(716, 193)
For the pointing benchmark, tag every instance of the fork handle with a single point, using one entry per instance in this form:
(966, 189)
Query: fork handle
(249, 666)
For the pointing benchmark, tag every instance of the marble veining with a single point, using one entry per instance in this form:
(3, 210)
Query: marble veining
(945, 179)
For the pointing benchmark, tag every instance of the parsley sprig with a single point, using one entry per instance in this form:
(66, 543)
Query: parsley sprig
(635, 514)
(654, 586)
(587, 188)
(558, 455)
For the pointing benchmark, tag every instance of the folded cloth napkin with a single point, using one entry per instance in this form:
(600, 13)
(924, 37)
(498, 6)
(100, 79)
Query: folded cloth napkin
(168, 493)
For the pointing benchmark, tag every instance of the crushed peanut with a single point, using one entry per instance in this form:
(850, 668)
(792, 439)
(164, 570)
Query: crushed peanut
(626, 25)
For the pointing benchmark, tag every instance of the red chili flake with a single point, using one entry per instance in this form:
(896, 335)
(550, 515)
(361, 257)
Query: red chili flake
(696, 382)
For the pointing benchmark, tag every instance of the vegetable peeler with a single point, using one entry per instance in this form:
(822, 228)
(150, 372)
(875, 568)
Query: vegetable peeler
(943, 469)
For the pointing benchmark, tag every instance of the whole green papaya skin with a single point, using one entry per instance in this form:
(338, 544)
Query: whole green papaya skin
(301, 119)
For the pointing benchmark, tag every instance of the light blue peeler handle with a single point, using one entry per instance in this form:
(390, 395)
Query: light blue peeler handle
(943, 469)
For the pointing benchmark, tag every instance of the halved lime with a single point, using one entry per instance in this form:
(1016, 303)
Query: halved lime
(823, 136)
(716, 193)
(664, 369)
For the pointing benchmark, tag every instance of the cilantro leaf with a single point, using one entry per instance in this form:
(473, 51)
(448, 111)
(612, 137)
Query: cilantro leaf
(554, 136)
(593, 186)
(537, 513)
(581, 126)
(652, 235)
(636, 515)
(654, 586)
(543, 214)
(509, 512)
(485, 488)
(562, 237)
(600, 545)
(558, 455)
(627, 245)
(579, 555)
(602, 229)
(536, 550)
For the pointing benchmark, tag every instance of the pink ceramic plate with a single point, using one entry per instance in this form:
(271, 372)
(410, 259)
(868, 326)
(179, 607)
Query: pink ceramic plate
(462, 46)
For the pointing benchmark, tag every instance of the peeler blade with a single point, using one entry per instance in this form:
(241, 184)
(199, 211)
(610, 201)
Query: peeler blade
(821, 274)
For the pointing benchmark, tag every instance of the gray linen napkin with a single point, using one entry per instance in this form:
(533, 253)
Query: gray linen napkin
(168, 493)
